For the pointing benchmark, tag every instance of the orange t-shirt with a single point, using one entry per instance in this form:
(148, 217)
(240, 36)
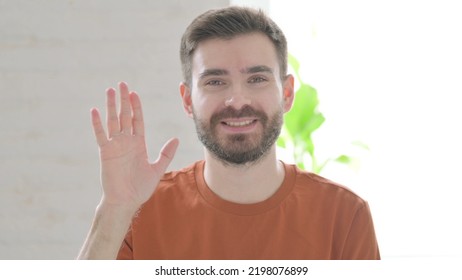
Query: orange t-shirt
(309, 217)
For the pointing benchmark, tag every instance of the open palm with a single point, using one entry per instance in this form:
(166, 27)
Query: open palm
(127, 176)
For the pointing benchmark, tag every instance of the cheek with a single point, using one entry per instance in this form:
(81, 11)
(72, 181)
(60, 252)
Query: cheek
(205, 106)
(276, 103)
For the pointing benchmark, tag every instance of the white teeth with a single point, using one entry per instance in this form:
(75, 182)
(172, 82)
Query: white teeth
(239, 123)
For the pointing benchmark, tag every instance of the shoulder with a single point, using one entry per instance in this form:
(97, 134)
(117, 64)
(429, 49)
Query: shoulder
(179, 174)
(324, 189)
(174, 188)
(184, 177)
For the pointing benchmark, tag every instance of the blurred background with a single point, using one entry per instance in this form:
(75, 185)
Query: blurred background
(388, 74)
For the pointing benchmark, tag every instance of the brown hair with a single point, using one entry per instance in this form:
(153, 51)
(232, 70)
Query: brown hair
(227, 23)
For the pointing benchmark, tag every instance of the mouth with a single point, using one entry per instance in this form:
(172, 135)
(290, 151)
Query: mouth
(238, 123)
(239, 126)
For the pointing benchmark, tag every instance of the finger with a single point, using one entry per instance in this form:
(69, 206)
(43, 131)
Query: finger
(137, 121)
(125, 115)
(98, 129)
(166, 155)
(111, 114)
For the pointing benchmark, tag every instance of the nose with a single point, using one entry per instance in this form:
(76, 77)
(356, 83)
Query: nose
(237, 100)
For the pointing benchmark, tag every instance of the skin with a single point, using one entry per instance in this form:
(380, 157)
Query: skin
(234, 85)
(129, 179)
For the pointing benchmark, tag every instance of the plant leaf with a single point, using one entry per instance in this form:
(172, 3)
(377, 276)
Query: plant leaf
(344, 159)
(281, 142)
(303, 109)
(360, 144)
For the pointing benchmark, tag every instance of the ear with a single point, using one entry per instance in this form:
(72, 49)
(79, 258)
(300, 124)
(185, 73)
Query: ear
(185, 92)
(288, 93)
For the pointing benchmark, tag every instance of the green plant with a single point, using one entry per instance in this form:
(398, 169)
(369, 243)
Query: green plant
(299, 124)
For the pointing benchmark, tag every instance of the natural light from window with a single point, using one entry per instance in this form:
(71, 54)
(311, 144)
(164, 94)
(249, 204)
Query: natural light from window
(388, 73)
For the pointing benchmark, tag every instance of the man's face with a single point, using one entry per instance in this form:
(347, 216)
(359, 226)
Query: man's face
(237, 98)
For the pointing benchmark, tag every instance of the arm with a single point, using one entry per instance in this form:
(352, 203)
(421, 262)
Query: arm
(127, 178)
(107, 232)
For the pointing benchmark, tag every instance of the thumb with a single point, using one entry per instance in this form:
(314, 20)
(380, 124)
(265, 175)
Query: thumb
(166, 155)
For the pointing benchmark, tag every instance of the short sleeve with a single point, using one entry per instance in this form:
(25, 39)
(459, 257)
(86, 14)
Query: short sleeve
(361, 242)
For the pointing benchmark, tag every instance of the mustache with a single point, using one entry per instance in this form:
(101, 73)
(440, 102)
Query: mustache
(246, 111)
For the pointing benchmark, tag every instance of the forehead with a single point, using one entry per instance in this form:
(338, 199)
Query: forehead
(235, 54)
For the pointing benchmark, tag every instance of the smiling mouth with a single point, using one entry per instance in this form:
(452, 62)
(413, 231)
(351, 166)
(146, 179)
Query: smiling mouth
(239, 124)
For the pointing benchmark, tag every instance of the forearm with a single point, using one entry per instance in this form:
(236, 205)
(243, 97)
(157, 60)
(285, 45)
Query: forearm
(107, 232)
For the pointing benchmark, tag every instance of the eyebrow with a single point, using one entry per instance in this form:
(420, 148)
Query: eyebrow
(223, 72)
(213, 72)
(257, 69)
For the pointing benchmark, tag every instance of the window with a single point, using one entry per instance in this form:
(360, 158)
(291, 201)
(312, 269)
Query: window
(388, 73)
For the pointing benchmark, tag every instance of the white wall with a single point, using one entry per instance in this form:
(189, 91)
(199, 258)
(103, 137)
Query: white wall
(56, 60)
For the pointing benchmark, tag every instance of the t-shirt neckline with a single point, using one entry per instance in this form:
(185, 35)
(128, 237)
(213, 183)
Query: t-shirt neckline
(245, 209)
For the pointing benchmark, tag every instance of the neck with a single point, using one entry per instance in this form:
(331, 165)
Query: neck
(246, 183)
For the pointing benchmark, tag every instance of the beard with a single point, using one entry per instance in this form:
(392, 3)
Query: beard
(239, 148)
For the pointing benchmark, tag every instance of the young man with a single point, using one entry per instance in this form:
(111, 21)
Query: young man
(240, 202)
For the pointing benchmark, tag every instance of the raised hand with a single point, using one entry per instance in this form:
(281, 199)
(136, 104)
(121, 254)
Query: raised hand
(128, 178)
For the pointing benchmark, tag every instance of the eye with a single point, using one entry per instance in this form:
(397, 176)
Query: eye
(257, 79)
(214, 83)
